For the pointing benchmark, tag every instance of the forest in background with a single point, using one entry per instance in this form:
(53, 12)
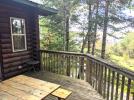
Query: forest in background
(103, 28)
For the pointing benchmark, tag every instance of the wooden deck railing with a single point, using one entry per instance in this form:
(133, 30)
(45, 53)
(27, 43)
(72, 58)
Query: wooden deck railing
(111, 81)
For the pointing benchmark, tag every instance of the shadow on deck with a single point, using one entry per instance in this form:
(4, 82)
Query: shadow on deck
(81, 89)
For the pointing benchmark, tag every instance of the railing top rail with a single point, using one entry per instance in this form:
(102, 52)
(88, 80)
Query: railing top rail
(124, 71)
(63, 52)
(114, 67)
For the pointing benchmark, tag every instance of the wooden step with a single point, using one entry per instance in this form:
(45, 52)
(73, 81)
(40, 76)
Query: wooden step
(62, 93)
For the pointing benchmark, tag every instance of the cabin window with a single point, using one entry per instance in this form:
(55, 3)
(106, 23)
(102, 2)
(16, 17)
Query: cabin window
(18, 34)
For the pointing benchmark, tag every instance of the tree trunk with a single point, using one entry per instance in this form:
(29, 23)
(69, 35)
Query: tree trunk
(89, 27)
(88, 35)
(66, 25)
(103, 50)
(84, 43)
(96, 26)
(67, 33)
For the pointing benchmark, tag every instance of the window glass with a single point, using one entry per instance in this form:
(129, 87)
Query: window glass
(18, 34)
(19, 42)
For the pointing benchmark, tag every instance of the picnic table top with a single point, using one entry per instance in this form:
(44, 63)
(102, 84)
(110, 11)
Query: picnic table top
(25, 88)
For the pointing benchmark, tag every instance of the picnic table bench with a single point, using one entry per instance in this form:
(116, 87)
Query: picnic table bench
(61, 93)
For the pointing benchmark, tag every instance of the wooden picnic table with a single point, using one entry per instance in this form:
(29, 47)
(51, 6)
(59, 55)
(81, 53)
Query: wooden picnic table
(25, 88)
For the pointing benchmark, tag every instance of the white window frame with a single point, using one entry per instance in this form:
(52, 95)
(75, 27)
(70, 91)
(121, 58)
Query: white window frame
(18, 35)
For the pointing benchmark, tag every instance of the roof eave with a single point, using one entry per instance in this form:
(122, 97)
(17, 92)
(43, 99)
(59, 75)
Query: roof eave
(45, 11)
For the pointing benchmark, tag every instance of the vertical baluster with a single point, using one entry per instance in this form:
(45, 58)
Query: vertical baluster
(132, 92)
(51, 62)
(75, 61)
(65, 64)
(41, 59)
(96, 87)
(95, 77)
(128, 89)
(60, 64)
(108, 86)
(90, 71)
(72, 66)
(68, 67)
(58, 67)
(117, 86)
(105, 81)
(122, 87)
(99, 74)
(89, 63)
(93, 73)
(60, 70)
(133, 95)
(77, 66)
(54, 62)
(100, 78)
(57, 63)
(71, 69)
(82, 68)
(80, 75)
(87, 70)
(112, 86)
(46, 61)
(85, 67)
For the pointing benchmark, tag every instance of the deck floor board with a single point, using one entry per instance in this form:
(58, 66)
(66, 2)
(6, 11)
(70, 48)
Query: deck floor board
(81, 89)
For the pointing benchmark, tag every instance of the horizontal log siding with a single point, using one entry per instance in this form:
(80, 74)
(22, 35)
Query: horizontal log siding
(0, 60)
(11, 61)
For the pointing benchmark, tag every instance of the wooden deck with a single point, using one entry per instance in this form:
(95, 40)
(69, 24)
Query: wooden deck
(81, 90)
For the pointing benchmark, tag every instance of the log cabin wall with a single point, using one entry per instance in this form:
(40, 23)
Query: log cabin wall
(0, 60)
(13, 63)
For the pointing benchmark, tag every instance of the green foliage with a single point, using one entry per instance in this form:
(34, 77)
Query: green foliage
(127, 63)
(53, 27)
(74, 45)
(51, 38)
(125, 47)
(122, 53)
